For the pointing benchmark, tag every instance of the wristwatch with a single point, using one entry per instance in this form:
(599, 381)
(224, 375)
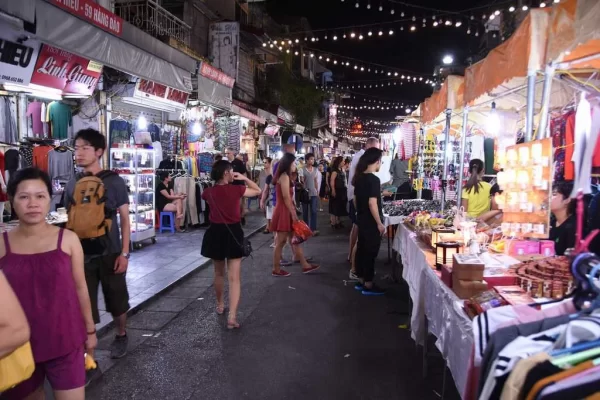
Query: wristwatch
(126, 255)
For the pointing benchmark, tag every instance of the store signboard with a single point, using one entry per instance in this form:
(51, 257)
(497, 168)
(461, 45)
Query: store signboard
(17, 56)
(212, 73)
(93, 13)
(285, 115)
(224, 46)
(156, 91)
(59, 69)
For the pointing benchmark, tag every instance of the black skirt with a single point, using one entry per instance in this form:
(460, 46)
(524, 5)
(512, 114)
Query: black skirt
(338, 204)
(222, 242)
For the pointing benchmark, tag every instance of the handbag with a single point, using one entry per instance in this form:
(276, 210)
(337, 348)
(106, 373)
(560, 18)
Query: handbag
(246, 246)
(16, 367)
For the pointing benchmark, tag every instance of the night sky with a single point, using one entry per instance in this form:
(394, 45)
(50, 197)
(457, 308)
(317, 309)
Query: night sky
(416, 52)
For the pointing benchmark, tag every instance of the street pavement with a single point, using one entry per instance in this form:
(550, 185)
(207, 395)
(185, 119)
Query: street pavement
(302, 337)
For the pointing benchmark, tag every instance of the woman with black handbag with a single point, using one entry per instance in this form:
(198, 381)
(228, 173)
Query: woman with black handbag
(224, 240)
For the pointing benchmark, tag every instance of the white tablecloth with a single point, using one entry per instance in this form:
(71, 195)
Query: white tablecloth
(389, 221)
(433, 300)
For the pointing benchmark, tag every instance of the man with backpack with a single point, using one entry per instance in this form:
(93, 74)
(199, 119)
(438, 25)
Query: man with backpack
(93, 199)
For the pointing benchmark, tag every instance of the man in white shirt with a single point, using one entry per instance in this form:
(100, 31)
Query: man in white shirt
(371, 142)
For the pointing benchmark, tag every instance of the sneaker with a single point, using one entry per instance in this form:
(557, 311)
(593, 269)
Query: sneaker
(91, 375)
(285, 263)
(352, 275)
(359, 286)
(118, 348)
(281, 274)
(308, 259)
(374, 291)
(310, 269)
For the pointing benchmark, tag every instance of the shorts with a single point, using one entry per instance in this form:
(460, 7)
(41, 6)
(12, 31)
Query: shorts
(63, 373)
(100, 271)
(269, 211)
(352, 212)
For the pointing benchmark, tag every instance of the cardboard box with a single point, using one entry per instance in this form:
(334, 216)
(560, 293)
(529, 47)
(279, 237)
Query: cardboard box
(467, 267)
(468, 289)
(514, 295)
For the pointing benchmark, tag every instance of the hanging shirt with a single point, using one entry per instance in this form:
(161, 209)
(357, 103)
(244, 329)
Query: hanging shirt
(40, 157)
(88, 116)
(34, 110)
(60, 165)
(477, 147)
(59, 115)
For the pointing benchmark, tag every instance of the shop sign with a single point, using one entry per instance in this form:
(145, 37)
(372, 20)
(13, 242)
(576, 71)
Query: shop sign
(246, 114)
(212, 73)
(285, 115)
(93, 13)
(149, 89)
(299, 129)
(17, 58)
(59, 69)
(223, 46)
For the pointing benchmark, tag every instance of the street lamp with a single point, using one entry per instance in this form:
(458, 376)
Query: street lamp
(448, 59)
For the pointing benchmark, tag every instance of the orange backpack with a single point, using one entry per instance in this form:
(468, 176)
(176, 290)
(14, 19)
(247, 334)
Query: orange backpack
(88, 216)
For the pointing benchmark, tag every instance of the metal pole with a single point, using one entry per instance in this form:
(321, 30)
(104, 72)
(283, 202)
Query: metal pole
(530, 106)
(549, 76)
(463, 145)
(446, 147)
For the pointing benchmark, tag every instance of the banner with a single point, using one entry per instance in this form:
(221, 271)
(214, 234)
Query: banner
(93, 13)
(212, 73)
(149, 89)
(17, 56)
(223, 46)
(59, 69)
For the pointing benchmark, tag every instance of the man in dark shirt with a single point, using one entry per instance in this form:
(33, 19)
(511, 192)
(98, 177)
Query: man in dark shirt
(239, 167)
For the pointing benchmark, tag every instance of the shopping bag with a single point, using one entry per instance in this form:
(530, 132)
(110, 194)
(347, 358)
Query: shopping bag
(301, 230)
(16, 367)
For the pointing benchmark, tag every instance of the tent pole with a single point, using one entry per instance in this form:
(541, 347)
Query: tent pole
(446, 147)
(549, 77)
(530, 106)
(463, 143)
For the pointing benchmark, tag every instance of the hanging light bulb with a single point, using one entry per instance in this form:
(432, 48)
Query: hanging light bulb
(477, 33)
(402, 14)
(542, 4)
(368, 5)
(312, 39)
(360, 37)
(327, 59)
(334, 37)
(525, 8)
(391, 32)
(469, 31)
(392, 11)
(353, 35)
(414, 18)
(458, 24)
(511, 8)
(380, 33)
(297, 40)
(380, 7)
(196, 128)
(370, 33)
(357, 5)
(413, 28)
(295, 53)
(448, 22)
(556, 1)
(264, 45)
(497, 12)
(435, 23)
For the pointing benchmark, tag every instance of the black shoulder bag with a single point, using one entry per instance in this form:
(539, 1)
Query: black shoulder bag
(246, 246)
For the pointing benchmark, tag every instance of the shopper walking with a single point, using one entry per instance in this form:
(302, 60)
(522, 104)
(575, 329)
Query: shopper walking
(369, 217)
(223, 240)
(263, 177)
(310, 180)
(106, 266)
(338, 198)
(284, 215)
(321, 185)
(44, 266)
(14, 329)
(371, 142)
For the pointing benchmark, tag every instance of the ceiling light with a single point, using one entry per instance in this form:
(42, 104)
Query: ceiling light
(312, 55)
(497, 12)
(448, 22)
(360, 37)
(264, 45)
(413, 28)
(391, 32)
(352, 35)
(297, 41)
(492, 17)
(556, 1)
(380, 8)
(320, 57)
(380, 33)
(295, 53)
(392, 11)
(357, 5)
(334, 37)
(525, 8)
(435, 23)
(370, 33)
(368, 6)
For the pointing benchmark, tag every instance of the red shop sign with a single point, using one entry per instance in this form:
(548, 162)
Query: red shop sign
(212, 73)
(158, 91)
(59, 69)
(177, 96)
(92, 13)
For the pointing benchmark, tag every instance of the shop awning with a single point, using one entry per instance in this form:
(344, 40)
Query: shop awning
(574, 34)
(451, 95)
(509, 63)
(246, 114)
(22, 9)
(64, 30)
(267, 115)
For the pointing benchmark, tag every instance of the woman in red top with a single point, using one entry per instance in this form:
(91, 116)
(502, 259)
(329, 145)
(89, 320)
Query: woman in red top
(285, 214)
(224, 238)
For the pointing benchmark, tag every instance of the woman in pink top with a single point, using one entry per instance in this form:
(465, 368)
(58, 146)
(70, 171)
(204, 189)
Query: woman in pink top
(44, 266)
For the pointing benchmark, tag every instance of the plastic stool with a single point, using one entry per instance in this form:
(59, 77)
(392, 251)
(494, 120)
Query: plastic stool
(170, 227)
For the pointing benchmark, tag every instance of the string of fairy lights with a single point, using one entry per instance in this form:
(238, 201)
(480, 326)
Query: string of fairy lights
(412, 18)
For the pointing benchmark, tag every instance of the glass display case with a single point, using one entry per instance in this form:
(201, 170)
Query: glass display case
(136, 167)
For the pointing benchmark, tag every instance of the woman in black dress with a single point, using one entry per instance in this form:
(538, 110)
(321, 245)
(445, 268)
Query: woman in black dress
(224, 238)
(338, 198)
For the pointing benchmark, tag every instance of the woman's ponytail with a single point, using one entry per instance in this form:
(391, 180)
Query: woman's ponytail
(475, 169)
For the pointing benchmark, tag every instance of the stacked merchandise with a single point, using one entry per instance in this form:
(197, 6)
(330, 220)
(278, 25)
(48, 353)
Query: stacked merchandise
(407, 207)
(546, 278)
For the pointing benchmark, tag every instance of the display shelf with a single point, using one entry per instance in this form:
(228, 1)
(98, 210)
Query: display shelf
(136, 167)
(527, 189)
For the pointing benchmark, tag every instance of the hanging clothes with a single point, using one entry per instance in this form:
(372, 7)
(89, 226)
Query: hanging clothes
(3, 195)
(587, 128)
(26, 156)
(40, 157)
(120, 132)
(60, 118)
(8, 122)
(34, 111)
(60, 165)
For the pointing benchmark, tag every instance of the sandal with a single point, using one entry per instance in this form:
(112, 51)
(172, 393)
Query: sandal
(232, 324)
(220, 309)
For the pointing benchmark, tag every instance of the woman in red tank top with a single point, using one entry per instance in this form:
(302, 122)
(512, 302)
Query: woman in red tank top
(44, 266)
